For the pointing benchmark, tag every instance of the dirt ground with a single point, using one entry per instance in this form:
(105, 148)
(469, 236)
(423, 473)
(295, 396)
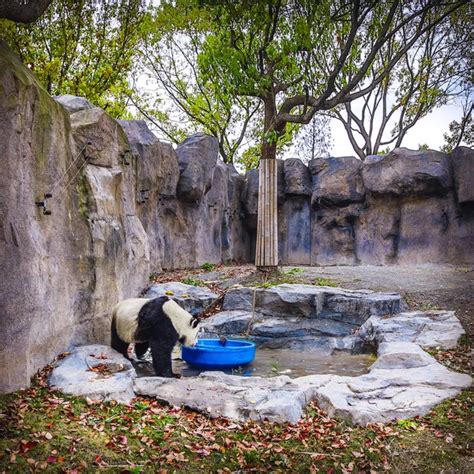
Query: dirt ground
(423, 287)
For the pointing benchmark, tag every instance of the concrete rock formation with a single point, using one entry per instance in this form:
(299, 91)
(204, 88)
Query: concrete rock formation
(73, 103)
(194, 299)
(113, 217)
(125, 204)
(403, 382)
(97, 372)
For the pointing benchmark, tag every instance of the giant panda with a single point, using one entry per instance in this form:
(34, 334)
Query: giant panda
(156, 323)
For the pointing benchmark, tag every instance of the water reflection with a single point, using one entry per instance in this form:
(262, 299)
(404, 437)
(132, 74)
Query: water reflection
(273, 362)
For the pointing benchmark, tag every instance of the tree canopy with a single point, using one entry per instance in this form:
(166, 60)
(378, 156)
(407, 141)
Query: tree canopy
(84, 48)
(179, 99)
(432, 73)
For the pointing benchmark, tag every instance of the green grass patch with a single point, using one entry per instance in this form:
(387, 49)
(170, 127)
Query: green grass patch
(193, 281)
(322, 281)
(208, 266)
(294, 271)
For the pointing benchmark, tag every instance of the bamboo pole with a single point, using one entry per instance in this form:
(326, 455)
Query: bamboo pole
(266, 254)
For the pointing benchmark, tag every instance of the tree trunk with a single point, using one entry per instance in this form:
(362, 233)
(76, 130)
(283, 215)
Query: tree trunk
(266, 255)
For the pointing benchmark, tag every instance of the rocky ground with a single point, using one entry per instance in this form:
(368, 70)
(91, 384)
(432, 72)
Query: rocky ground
(423, 287)
(42, 429)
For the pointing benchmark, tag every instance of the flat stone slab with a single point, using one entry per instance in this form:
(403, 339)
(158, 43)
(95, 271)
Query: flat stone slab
(404, 382)
(427, 329)
(308, 301)
(194, 299)
(242, 322)
(277, 333)
(97, 372)
(276, 399)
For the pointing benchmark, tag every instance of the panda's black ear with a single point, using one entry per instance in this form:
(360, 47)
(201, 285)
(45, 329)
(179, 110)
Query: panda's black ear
(194, 322)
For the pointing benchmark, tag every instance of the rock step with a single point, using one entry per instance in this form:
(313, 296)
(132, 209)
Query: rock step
(307, 301)
(97, 372)
(427, 329)
(194, 299)
(241, 322)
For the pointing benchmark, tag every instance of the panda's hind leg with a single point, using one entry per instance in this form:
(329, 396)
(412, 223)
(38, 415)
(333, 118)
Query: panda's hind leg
(141, 348)
(117, 343)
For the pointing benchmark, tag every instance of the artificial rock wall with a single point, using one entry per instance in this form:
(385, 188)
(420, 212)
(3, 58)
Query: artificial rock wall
(125, 204)
(406, 207)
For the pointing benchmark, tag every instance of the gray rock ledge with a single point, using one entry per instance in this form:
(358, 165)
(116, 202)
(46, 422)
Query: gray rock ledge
(194, 299)
(403, 382)
(73, 375)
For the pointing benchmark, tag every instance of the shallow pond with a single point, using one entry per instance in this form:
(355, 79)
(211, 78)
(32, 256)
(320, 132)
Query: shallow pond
(273, 362)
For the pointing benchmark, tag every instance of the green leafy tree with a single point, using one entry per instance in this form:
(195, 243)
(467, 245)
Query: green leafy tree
(82, 47)
(178, 99)
(462, 130)
(314, 140)
(430, 74)
(299, 57)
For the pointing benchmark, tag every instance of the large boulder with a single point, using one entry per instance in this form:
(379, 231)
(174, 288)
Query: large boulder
(297, 177)
(197, 157)
(120, 251)
(120, 244)
(307, 301)
(194, 299)
(334, 233)
(336, 181)
(157, 165)
(98, 137)
(138, 134)
(429, 329)
(463, 166)
(73, 103)
(409, 172)
(96, 372)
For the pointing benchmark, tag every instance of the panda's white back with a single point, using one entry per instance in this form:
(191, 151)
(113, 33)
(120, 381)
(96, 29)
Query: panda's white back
(126, 317)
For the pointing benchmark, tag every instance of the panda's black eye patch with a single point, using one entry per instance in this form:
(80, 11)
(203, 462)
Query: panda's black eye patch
(194, 322)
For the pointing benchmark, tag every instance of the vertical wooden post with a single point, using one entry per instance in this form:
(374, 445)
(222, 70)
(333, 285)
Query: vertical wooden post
(266, 255)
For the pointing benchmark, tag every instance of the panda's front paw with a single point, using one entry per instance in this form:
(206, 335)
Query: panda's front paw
(176, 376)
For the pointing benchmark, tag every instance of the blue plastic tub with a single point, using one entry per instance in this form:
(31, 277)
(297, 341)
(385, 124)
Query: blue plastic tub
(211, 354)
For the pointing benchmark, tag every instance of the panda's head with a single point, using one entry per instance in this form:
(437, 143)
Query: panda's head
(186, 325)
